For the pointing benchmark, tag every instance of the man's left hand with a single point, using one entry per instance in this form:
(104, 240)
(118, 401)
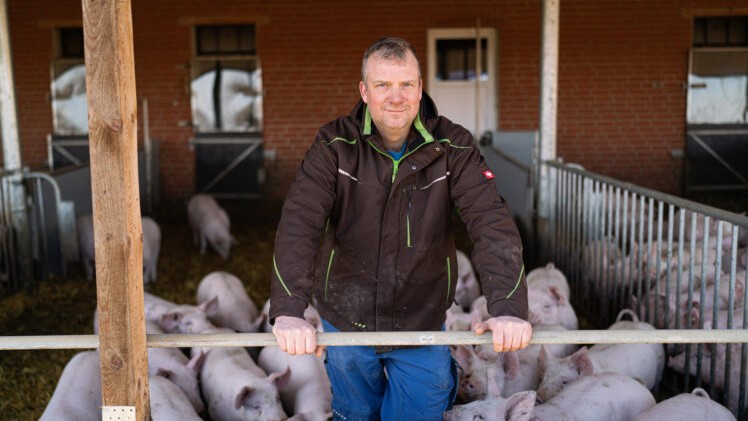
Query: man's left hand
(509, 333)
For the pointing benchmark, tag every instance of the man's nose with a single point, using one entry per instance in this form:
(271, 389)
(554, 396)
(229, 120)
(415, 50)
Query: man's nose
(397, 95)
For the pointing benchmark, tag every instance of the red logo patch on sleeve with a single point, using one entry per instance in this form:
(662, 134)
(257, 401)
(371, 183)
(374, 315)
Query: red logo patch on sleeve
(488, 174)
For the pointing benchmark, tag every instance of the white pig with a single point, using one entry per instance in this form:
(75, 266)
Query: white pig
(694, 406)
(235, 309)
(235, 388)
(210, 224)
(77, 396)
(549, 306)
(151, 248)
(546, 277)
(644, 362)
(467, 288)
(517, 407)
(84, 229)
(607, 396)
(482, 370)
(179, 318)
(457, 319)
(168, 402)
(172, 364)
(308, 391)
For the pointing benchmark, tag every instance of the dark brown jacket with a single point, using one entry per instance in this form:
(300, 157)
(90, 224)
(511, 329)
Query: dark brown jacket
(371, 238)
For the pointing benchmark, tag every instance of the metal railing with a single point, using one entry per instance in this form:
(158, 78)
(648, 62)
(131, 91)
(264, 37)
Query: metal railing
(679, 264)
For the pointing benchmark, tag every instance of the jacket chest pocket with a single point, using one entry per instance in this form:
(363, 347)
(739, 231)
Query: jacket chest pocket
(426, 217)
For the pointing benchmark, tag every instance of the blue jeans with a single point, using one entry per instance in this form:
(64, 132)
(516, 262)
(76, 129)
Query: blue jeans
(405, 384)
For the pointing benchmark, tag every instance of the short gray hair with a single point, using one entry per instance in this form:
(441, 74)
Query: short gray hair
(390, 48)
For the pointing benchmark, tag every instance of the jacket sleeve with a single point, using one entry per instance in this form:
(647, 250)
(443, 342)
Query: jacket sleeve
(497, 247)
(305, 212)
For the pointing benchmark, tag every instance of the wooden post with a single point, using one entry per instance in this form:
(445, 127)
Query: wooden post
(112, 125)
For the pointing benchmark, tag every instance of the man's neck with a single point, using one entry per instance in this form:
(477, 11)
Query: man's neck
(394, 141)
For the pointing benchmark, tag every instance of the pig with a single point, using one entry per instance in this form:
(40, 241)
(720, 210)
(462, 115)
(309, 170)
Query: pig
(694, 406)
(529, 373)
(77, 396)
(644, 362)
(457, 319)
(475, 377)
(172, 364)
(605, 261)
(308, 393)
(210, 224)
(235, 309)
(235, 388)
(179, 318)
(151, 248)
(548, 276)
(467, 288)
(605, 396)
(677, 363)
(549, 306)
(84, 229)
(517, 407)
(168, 402)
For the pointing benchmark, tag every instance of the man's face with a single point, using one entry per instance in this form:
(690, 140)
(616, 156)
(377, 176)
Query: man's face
(393, 92)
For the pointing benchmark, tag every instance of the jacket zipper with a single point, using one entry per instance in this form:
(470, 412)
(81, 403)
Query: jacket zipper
(327, 275)
(449, 281)
(409, 241)
(396, 163)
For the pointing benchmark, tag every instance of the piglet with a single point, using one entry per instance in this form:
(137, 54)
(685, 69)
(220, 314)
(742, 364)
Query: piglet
(308, 394)
(77, 396)
(549, 306)
(694, 406)
(235, 309)
(606, 396)
(210, 224)
(546, 277)
(644, 362)
(151, 248)
(179, 318)
(235, 388)
(517, 407)
(168, 402)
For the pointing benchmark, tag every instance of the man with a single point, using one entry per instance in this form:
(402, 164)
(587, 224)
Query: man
(365, 231)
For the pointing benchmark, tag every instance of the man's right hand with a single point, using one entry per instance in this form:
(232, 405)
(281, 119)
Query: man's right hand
(296, 336)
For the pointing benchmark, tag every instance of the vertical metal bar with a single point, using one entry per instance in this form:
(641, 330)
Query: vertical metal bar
(666, 310)
(648, 287)
(658, 253)
(702, 300)
(730, 307)
(689, 315)
(625, 277)
(715, 309)
(744, 354)
(641, 295)
(41, 220)
(586, 237)
(550, 248)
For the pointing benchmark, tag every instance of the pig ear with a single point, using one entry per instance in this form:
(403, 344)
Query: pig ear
(510, 361)
(550, 265)
(210, 308)
(463, 355)
(280, 378)
(560, 299)
(543, 357)
(581, 359)
(242, 396)
(492, 385)
(197, 361)
(170, 321)
(519, 406)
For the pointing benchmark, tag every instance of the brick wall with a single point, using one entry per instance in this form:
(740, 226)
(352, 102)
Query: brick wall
(622, 68)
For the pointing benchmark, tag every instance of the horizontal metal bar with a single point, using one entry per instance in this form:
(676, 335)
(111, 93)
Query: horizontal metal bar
(389, 338)
(724, 215)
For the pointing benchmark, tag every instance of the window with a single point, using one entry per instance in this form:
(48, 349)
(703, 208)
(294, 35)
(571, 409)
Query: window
(227, 80)
(456, 59)
(718, 77)
(68, 85)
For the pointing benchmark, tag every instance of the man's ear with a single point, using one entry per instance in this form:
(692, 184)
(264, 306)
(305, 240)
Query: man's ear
(364, 93)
